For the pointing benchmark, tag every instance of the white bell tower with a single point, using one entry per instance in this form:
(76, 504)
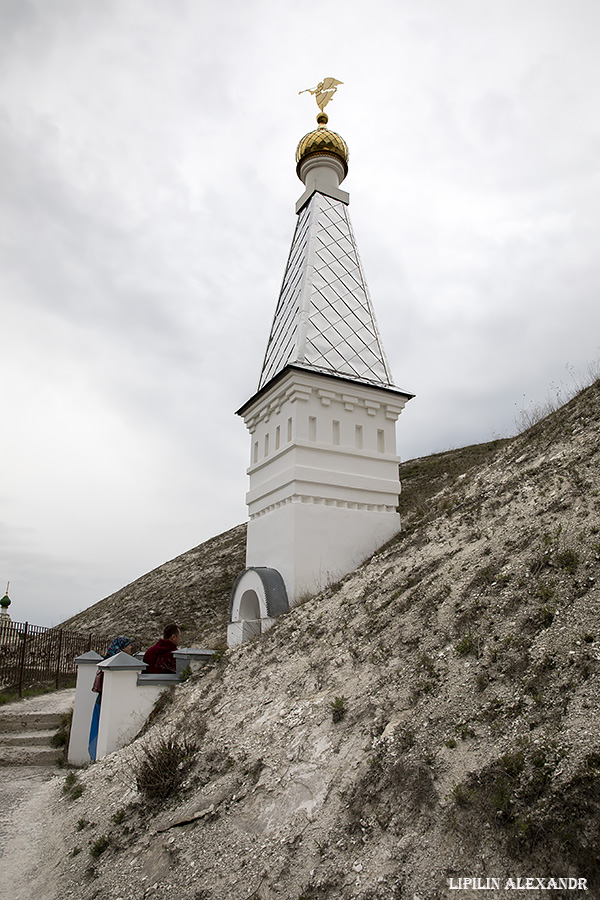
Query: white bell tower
(323, 472)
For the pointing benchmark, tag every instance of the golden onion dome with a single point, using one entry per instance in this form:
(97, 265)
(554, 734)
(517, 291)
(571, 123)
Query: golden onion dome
(322, 142)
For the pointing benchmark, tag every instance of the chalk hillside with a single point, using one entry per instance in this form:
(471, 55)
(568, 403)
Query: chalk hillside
(432, 716)
(193, 590)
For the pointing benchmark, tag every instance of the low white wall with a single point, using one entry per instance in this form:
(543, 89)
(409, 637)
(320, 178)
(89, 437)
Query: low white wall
(128, 697)
(126, 704)
(242, 630)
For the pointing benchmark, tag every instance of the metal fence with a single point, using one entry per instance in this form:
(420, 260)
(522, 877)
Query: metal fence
(31, 654)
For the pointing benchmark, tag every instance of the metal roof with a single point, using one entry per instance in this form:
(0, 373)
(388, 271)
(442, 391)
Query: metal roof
(324, 318)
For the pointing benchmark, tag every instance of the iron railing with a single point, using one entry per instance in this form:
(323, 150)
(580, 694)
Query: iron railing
(32, 654)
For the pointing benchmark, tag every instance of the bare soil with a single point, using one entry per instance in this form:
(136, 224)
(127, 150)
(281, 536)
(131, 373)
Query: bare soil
(25, 813)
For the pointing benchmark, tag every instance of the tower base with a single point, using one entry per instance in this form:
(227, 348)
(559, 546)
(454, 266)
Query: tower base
(313, 542)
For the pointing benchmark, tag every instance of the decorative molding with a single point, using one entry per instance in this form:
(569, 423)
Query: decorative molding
(337, 449)
(393, 411)
(325, 501)
(301, 392)
(326, 397)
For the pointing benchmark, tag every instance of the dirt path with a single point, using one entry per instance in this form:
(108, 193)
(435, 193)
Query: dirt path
(25, 815)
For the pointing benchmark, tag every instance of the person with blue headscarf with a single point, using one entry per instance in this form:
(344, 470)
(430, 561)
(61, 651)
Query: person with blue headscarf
(120, 644)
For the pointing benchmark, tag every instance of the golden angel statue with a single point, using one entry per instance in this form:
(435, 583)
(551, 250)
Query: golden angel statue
(323, 92)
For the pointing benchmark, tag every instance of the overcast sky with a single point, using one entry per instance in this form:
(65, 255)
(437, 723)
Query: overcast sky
(147, 192)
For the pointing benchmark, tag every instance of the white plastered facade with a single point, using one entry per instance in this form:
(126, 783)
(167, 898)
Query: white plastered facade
(324, 480)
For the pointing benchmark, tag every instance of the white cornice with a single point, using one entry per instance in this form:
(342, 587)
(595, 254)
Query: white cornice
(299, 385)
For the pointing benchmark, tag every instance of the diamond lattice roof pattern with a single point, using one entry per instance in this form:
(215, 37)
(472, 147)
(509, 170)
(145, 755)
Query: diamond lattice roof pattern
(324, 318)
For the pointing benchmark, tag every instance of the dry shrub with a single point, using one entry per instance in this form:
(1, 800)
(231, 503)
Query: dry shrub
(162, 765)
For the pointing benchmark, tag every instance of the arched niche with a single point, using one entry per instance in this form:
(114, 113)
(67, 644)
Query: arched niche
(249, 605)
(257, 598)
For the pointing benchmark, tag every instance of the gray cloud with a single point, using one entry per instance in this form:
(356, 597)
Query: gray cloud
(146, 212)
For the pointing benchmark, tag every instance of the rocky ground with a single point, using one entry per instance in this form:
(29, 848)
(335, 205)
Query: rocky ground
(433, 716)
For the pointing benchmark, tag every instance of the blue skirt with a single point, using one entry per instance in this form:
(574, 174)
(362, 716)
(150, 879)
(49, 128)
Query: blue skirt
(93, 742)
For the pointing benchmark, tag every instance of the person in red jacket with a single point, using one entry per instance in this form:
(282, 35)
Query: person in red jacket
(160, 657)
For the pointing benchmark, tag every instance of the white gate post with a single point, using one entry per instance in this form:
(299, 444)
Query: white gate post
(120, 717)
(82, 710)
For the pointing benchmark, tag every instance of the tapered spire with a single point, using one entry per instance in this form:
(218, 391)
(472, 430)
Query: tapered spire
(324, 320)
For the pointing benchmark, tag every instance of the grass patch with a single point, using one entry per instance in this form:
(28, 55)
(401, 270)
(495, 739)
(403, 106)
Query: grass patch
(72, 789)
(461, 795)
(542, 819)
(338, 709)
(467, 645)
(568, 560)
(390, 793)
(555, 553)
(10, 694)
(100, 846)
(422, 479)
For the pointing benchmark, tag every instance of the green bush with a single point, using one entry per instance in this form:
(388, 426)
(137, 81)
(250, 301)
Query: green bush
(461, 795)
(568, 560)
(186, 673)
(539, 816)
(466, 645)
(546, 592)
(61, 736)
(338, 709)
(71, 788)
(99, 846)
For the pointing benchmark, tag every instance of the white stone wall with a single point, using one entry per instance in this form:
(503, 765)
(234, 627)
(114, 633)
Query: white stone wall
(323, 477)
(128, 697)
(312, 544)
